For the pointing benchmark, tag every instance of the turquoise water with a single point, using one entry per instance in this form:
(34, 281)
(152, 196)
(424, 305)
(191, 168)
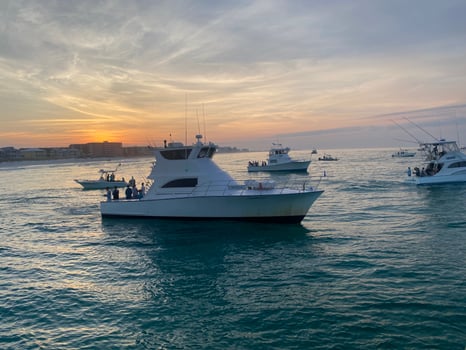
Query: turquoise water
(376, 264)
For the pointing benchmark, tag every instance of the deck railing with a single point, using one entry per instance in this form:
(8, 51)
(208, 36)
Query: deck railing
(238, 187)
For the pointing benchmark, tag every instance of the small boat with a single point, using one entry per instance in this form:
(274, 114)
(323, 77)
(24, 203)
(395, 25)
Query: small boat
(314, 151)
(403, 153)
(445, 163)
(279, 160)
(187, 184)
(327, 157)
(106, 179)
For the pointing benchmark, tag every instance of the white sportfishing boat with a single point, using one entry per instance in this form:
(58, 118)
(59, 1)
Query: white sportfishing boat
(187, 184)
(106, 179)
(445, 164)
(403, 153)
(279, 160)
(328, 158)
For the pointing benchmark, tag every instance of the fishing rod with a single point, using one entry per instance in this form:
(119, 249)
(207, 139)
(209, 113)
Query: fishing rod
(410, 141)
(428, 133)
(406, 131)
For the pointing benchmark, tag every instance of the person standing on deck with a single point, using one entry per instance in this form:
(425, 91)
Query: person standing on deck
(116, 193)
(128, 192)
(142, 191)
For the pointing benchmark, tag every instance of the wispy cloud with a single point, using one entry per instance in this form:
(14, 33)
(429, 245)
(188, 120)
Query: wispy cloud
(260, 68)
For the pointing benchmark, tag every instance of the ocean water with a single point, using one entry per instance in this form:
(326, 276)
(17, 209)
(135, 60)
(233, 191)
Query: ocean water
(377, 263)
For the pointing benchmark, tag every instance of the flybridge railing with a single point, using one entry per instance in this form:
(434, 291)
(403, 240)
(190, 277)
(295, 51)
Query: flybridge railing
(259, 187)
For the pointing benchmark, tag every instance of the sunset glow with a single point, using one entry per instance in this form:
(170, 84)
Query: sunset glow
(245, 74)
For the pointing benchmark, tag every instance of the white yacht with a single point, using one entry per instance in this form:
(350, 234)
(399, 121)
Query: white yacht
(445, 164)
(279, 160)
(187, 184)
(403, 153)
(107, 179)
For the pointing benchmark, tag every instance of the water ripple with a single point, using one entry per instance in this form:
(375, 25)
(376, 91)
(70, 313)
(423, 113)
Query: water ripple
(377, 263)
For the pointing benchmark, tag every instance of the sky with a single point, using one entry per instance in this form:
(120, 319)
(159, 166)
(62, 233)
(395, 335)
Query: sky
(306, 73)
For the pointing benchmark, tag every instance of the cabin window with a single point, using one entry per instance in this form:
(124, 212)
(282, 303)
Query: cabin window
(188, 182)
(176, 154)
(458, 165)
(206, 152)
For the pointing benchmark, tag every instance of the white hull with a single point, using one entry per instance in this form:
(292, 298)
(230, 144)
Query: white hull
(404, 155)
(290, 166)
(273, 206)
(441, 179)
(100, 184)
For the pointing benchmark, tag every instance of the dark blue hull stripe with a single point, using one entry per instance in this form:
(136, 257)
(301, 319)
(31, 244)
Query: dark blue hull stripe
(275, 219)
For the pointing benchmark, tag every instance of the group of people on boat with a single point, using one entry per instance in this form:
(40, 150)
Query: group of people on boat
(436, 154)
(430, 170)
(131, 192)
(110, 177)
(256, 163)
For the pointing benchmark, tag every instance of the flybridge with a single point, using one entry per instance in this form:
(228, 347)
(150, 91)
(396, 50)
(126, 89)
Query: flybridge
(177, 151)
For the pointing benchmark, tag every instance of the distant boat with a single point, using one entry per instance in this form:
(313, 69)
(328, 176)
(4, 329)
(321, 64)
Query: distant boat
(327, 157)
(279, 160)
(445, 164)
(187, 184)
(106, 179)
(403, 153)
(314, 151)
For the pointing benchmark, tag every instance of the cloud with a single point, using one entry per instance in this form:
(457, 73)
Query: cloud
(259, 67)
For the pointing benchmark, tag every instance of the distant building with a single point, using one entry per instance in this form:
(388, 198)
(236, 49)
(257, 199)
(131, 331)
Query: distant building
(100, 149)
(10, 153)
(90, 150)
(137, 151)
(62, 153)
(33, 153)
(229, 149)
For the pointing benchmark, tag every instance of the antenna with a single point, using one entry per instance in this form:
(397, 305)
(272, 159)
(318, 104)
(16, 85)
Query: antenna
(186, 119)
(198, 125)
(457, 129)
(203, 115)
(186, 125)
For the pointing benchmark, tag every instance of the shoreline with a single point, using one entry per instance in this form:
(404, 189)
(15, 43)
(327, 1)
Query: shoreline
(14, 163)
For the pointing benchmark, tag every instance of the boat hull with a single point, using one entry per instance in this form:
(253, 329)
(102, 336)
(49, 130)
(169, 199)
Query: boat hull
(404, 155)
(100, 184)
(441, 179)
(257, 206)
(290, 166)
